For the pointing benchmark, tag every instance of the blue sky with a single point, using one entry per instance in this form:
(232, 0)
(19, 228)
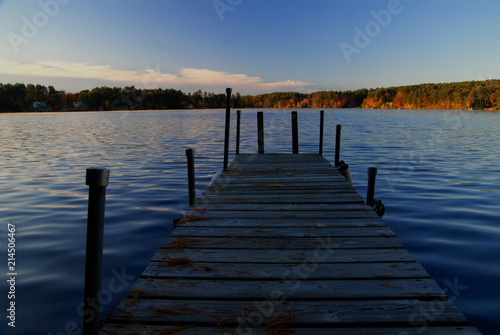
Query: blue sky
(253, 46)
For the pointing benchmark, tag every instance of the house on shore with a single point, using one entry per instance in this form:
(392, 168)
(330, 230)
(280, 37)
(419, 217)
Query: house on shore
(79, 105)
(40, 106)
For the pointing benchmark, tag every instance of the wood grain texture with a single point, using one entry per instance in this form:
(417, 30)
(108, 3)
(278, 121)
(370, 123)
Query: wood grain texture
(282, 244)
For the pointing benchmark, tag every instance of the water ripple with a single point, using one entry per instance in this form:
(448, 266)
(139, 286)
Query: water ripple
(438, 176)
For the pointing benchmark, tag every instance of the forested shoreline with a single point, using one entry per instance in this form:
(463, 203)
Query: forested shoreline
(460, 95)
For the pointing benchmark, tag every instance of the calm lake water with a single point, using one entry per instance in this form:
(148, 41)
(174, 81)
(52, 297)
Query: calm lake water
(439, 177)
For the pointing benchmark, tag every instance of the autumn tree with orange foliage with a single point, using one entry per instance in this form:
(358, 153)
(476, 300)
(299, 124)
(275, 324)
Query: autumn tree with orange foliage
(462, 95)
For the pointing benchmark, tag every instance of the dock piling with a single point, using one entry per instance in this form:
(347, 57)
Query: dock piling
(97, 179)
(228, 119)
(238, 123)
(370, 191)
(295, 134)
(191, 176)
(260, 131)
(321, 127)
(337, 145)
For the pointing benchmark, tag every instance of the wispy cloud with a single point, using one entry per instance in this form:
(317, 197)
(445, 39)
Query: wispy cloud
(190, 78)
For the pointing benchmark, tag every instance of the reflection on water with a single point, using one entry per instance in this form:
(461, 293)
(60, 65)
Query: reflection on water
(438, 177)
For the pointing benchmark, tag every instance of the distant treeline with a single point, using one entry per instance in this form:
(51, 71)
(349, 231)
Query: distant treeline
(461, 95)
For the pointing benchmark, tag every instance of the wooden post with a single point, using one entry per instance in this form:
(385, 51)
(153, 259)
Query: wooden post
(97, 179)
(228, 119)
(295, 134)
(337, 145)
(191, 176)
(321, 126)
(260, 131)
(370, 191)
(238, 122)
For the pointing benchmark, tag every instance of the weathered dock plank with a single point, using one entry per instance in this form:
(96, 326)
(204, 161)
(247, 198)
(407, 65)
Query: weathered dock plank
(306, 243)
(291, 289)
(285, 207)
(290, 256)
(283, 223)
(283, 232)
(276, 271)
(324, 198)
(193, 329)
(339, 313)
(282, 244)
(235, 213)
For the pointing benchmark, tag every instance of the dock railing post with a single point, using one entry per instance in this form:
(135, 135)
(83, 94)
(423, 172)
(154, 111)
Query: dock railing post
(321, 127)
(97, 179)
(337, 145)
(191, 176)
(228, 120)
(238, 124)
(260, 131)
(370, 190)
(295, 134)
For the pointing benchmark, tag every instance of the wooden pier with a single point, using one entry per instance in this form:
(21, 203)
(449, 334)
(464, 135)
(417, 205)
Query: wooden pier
(282, 244)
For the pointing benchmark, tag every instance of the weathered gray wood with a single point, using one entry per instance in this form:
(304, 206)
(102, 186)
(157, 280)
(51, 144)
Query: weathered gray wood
(285, 232)
(219, 198)
(260, 271)
(282, 232)
(288, 173)
(146, 329)
(238, 206)
(274, 156)
(359, 214)
(272, 162)
(278, 169)
(335, 313)
(318, 255)
(292, 289)
(311, 187)
(275, 190)
(281, 223)
(305, 243)
(331, 184)
(283, 178)
(254, 160)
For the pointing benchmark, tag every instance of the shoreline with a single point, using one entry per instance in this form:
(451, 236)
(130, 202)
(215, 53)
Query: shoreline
(244, 108)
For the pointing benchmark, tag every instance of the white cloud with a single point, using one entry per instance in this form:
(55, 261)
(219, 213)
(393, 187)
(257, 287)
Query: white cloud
(188, 78)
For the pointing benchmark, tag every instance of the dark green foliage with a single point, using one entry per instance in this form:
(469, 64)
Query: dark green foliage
(462, 95)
